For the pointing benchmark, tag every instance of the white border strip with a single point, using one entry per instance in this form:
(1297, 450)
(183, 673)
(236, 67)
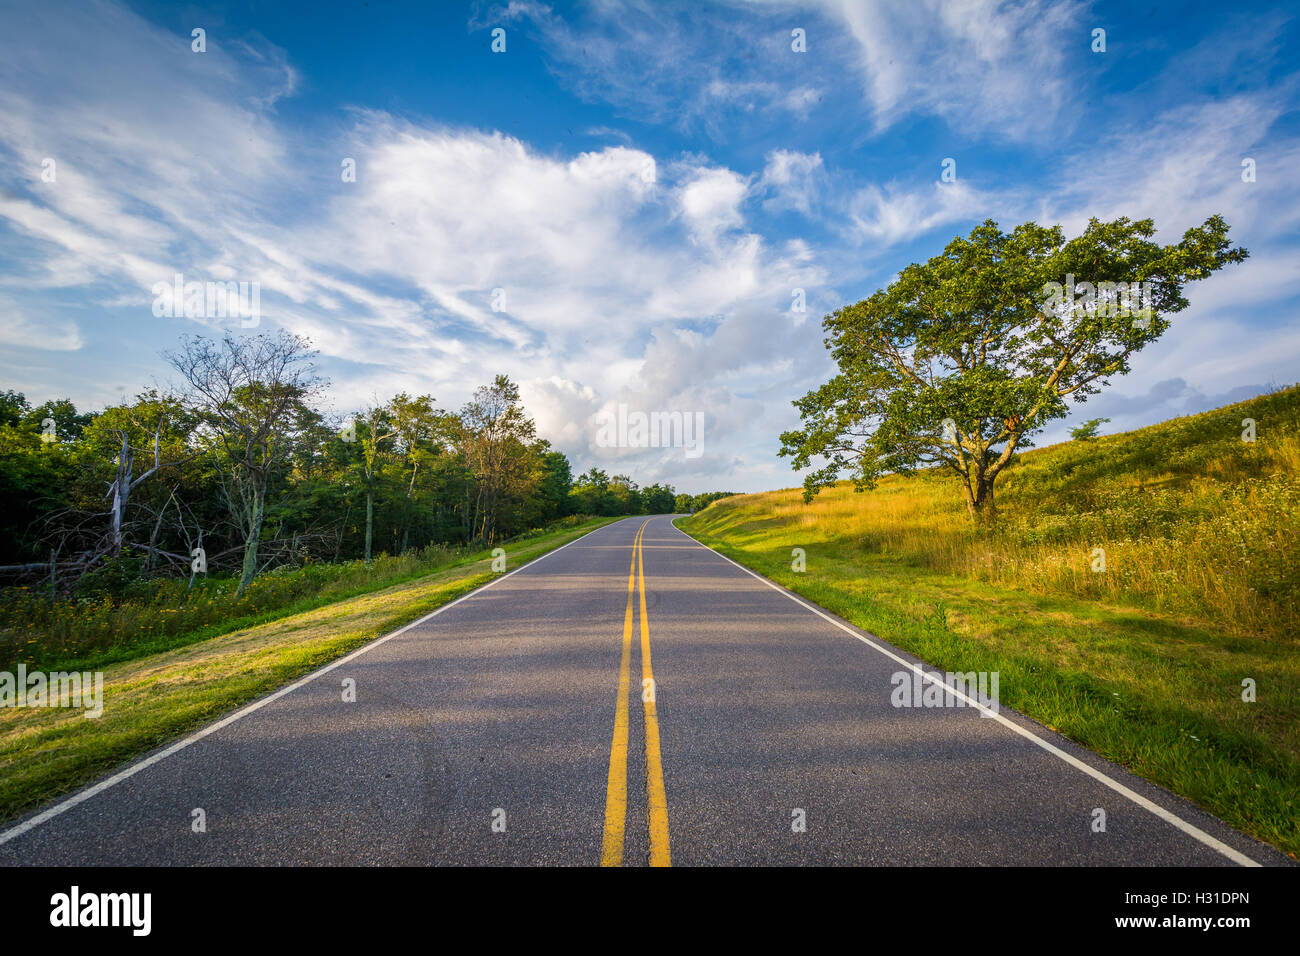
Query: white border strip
(83, 795)
(1195, 832)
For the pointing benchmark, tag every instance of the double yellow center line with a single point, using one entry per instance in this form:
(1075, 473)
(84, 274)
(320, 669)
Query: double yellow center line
(611, 853)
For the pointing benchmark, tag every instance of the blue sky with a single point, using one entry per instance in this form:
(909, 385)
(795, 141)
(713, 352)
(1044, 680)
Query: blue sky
(647, 182)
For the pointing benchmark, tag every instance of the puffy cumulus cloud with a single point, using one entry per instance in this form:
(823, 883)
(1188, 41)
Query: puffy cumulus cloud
(600, 258)
(588, 253)
(563, 409)
(791, 180)
(710, 202)
(740, 393)
(458, 215)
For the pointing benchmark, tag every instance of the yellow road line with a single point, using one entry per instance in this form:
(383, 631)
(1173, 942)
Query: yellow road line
(656, 798)
(611, 853)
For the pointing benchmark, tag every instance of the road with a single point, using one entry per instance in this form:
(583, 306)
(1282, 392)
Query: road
(632, 698)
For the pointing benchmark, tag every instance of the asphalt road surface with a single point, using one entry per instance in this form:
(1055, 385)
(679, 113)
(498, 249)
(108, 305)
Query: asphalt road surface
(631, 698)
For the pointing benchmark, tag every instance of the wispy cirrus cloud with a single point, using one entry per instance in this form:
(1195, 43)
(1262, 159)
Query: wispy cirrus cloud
(979, 66)
(687, 65)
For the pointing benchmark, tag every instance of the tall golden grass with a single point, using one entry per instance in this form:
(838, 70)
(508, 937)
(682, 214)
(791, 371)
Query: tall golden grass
(1192, 520)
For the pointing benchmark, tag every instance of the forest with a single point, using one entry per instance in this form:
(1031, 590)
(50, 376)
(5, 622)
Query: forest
(240, 469)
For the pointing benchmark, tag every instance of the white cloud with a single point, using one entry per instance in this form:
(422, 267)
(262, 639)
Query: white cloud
(793, 179)
(391, 276)
(562, 408)
(685, 65)
(892, 214)
(20, 331)
(979, 64)
(710, 201)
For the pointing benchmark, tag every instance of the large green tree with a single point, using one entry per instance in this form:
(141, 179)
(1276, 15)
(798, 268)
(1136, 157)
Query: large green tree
(960, 360)
(498, 442)
(420, 430)
(374, 428)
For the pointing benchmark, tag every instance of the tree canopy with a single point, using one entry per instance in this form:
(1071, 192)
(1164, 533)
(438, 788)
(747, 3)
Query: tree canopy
(244, 464)
(962, 359)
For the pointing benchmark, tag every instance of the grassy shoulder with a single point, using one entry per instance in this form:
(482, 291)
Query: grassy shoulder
(1155, 694)
(123, 615)
(1153, 684)
(151, 700)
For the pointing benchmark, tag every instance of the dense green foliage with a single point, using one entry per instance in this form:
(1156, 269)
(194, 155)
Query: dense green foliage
(243, 473)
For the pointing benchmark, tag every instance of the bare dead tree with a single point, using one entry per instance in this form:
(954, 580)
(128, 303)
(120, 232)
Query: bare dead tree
(120, 488)
(253, 397)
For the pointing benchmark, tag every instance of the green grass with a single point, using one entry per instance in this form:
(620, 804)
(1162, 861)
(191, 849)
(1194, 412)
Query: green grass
(1143, 663)
(151, 700)
(95, 629)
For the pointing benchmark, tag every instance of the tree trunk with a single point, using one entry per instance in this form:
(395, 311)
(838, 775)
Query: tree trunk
(338, 540)
(370, 517)
(409, 509)
(979, 500)
(153, 537)
(121, 492)
(254, 537)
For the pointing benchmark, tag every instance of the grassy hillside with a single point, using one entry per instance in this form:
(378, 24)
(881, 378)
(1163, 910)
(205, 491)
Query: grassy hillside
(1144, 661)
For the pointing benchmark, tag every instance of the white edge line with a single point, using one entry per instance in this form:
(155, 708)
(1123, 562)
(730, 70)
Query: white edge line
(1191, 830)
(83, 795)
